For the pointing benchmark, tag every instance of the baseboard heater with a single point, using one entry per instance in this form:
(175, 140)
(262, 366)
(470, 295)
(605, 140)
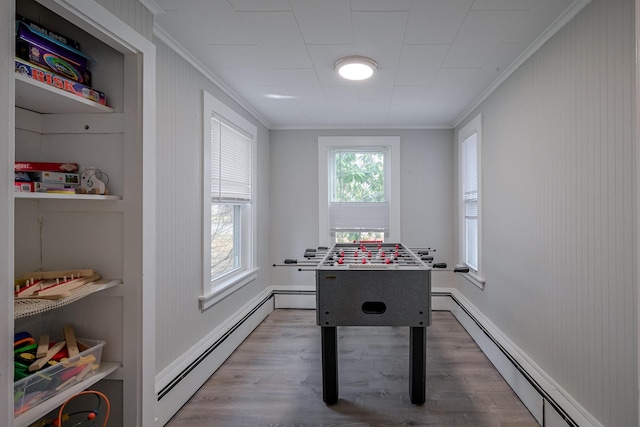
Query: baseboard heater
(183, 374)
(538, 388)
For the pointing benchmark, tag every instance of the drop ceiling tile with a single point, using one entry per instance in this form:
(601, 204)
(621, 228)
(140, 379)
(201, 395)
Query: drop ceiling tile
(379, 35)
(379, 87)
(504, 4)
(406, 100)
(260, 5)
(227, 56)
(171, 5)
(374, 112)
(329, 114)
(480, 34)
(244, 79)
(436, 22)
(269, 93)
(280, 112)
(439, 114)
(301, 83)
(341, 94)
(218, 18)
(448, 78)
(279, 38)
(419, 64)
(381, 5)
(324, 22)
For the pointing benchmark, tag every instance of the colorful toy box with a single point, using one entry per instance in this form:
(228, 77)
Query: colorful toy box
(51, 79)
(45, 383)
(41, 49)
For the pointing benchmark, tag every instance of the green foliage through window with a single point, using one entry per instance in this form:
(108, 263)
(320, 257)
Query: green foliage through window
(359, 176)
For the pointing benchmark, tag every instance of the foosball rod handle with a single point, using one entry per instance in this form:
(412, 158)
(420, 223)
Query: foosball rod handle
(441, 266)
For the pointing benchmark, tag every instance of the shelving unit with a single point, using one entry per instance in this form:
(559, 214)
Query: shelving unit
(112, 234)
(65, 196)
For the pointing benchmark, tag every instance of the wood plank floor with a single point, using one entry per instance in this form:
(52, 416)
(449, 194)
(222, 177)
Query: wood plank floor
(274, 379)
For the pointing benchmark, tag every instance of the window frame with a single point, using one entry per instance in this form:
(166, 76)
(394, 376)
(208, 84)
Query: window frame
(326, 144)
(475, 276)
(214, 290)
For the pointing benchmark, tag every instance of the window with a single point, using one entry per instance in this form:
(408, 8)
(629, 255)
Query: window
(228, 201)
(359, 189)
(469, 139)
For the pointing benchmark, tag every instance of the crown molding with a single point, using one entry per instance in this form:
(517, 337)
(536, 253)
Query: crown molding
(560, 22)
(163, 36)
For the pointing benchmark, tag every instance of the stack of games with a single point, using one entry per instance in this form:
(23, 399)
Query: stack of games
(53, 59)
(40, 177)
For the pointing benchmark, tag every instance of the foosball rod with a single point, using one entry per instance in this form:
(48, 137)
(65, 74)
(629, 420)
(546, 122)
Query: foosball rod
(313, 257)
(292, 262)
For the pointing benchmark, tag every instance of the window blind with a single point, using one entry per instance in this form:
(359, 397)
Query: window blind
(359, 216)
(230, 163)
(470, 198)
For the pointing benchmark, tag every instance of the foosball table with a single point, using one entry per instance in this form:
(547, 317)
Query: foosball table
(379, 284)
(372, 284)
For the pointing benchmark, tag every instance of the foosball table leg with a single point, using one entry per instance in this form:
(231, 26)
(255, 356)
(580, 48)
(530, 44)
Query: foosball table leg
(418, 364)
(329, 365)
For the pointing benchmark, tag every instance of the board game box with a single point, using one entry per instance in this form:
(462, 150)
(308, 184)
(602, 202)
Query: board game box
(45, 166)
(51, 54)
(44, 76)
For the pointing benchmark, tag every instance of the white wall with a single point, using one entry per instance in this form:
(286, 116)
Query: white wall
(179, 322)
(426, 209)
(559, 193)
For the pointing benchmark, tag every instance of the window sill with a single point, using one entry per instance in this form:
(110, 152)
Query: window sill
(475, 279)
(225, 288)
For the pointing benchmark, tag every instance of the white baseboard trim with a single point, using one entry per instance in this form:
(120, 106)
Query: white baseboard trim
(176, 384)
(551, 405)
(548, 403)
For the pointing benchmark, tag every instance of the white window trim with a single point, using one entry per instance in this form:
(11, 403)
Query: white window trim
(214, 292)
(474, 126)
(325, 144)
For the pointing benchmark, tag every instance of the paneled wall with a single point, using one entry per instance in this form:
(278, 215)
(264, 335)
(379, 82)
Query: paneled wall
(559, 186)
(133, 13)
(179, 322)
(426, 159)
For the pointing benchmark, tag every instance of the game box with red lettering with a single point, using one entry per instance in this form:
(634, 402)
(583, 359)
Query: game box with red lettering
(44, 76)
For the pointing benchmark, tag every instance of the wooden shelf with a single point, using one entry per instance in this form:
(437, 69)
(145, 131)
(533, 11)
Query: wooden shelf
(39, 411)
(64, 196)
(25, 307)
(42, 98)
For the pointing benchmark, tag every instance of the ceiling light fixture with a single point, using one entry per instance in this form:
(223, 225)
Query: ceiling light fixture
(356, 67)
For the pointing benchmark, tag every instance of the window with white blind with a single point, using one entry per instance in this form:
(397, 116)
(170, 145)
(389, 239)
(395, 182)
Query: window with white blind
(228, 201)
(469, 138)
(359, 189)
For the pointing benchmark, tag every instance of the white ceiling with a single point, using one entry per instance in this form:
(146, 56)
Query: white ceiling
(436, 58)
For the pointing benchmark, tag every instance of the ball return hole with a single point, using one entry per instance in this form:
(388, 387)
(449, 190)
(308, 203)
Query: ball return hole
(374, 307)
